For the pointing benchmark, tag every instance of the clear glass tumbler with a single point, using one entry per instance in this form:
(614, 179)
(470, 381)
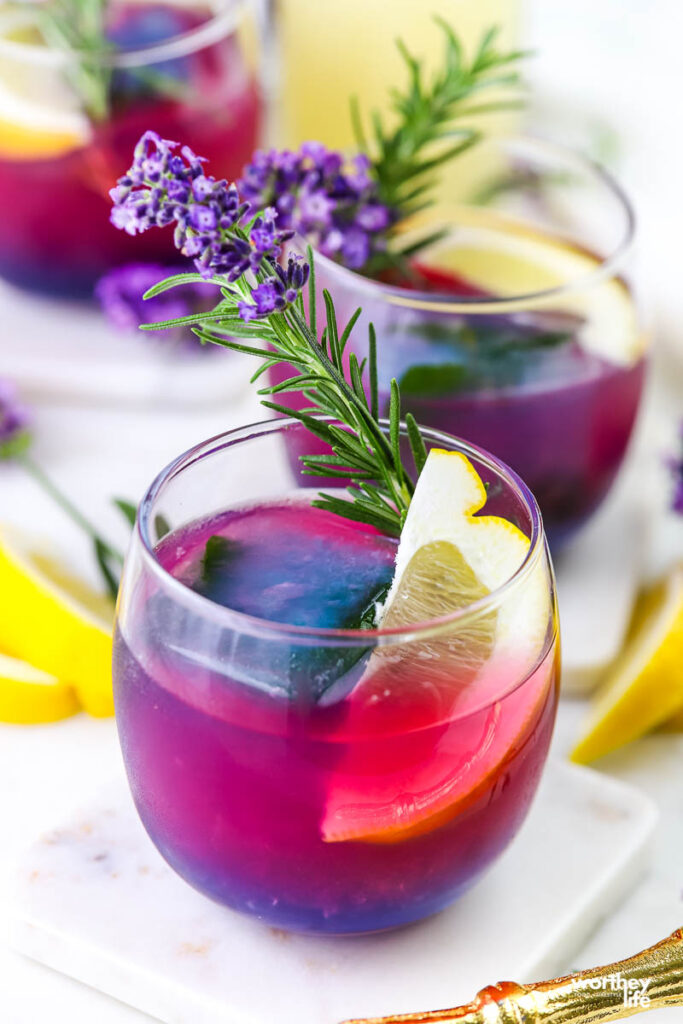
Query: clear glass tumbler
(331, 780)
(519, 329)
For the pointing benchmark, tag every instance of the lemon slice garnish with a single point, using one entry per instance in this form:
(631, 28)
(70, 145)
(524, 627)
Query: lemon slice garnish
(644, 687)
(54, 621)
(29, 696)
(509, 259)
(448, 558)
(490, 549)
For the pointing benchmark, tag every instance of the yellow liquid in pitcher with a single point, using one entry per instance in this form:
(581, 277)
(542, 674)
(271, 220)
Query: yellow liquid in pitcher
(332, 51)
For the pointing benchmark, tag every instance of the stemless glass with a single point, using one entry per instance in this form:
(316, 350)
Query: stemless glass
(325, 780)
(189, 71)
(520, 331)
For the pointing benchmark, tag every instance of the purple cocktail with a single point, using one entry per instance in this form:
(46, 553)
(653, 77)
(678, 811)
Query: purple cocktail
(187, 71)
(517, 330)
(289, 759)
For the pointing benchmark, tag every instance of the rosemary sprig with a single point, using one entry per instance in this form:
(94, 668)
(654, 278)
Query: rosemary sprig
(79, 27)
(262, 314)
(364, 453)
(430, 131)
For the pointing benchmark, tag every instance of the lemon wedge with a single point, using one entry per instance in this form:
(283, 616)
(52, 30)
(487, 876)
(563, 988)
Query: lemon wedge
(489, 549)
(448, 557)
(29, 696)
(52, 620)
(644, 687)
(40, 114)
(509, 259)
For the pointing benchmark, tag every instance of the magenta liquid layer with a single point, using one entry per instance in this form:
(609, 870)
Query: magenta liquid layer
(305, 785)
(55, 234)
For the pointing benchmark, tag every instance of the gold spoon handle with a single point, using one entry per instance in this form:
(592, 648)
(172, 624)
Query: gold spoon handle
(647, 981)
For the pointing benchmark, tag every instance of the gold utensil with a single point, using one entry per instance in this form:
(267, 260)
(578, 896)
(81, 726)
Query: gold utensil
(647, 981)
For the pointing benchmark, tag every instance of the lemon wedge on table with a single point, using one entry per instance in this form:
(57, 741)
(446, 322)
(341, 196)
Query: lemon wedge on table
(508, 258)
(447, 558)
(29, 696)
(644, 687)
(53, 621)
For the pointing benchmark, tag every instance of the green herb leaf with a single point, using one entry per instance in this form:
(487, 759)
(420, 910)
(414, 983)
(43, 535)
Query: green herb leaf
(433, 379)
(110, 575)
(128, 510)
(417, 445)
(17, 445)
(161, 526)
(218, 555)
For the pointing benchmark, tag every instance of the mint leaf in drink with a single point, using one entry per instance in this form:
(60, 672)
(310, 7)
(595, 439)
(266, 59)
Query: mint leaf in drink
(219, 556)
(433, 379)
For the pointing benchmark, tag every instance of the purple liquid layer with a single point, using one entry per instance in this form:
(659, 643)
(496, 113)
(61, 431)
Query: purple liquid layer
(245, 756)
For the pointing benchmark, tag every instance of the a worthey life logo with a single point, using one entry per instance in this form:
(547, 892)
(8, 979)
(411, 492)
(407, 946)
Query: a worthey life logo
(635, 990)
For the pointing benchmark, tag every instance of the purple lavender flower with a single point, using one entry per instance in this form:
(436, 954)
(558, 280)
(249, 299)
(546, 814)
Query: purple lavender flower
(14, 421)
(120, 293)
(331, 201)
(211, 226)
(676, 466)
(277, 292)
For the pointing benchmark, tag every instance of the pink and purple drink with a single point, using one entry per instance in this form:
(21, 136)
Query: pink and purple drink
(518, 330)
(187, 71)
(287, 758)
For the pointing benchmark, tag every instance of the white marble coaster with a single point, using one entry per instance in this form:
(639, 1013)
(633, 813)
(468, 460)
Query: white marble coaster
(95, 901)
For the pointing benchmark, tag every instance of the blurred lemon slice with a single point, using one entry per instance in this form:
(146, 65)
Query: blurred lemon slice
(508, 259)
(54, 621)
(448, 557)
(644, 687)
(40, 115)
(29, 696)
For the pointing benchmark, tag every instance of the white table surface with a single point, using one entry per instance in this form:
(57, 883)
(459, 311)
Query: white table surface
(618, 56)
(45, 770)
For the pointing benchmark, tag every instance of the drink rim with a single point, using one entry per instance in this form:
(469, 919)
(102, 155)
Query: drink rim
(434, 302)
(303, 635)
(223, 22)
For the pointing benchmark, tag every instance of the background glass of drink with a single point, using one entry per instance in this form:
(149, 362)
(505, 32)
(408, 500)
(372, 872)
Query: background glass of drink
(188, 71)
(287, 763)
(519, 330)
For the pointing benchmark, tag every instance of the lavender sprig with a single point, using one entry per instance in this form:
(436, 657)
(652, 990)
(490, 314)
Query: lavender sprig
(211, 225)
(261, 303)
(120, 294)
(331, 201)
